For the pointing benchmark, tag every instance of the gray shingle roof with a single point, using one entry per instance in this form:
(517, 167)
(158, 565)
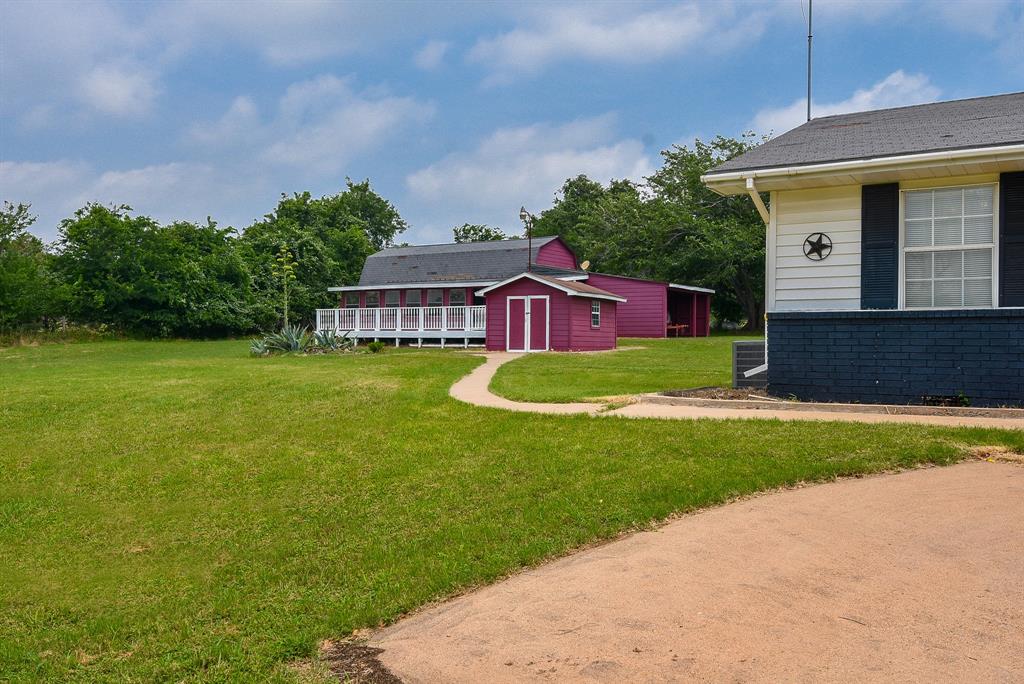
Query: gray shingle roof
(958, 124)
(467, 262)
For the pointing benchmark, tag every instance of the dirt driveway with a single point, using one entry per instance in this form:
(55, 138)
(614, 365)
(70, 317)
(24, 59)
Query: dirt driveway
(911, 577)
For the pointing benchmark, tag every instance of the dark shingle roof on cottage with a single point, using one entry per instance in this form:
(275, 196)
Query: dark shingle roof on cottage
(959, 124)
(461, 262)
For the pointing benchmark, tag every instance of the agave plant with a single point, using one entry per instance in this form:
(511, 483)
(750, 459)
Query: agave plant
(292, 338)
(258, 347)
(327, 339)
(330, 340)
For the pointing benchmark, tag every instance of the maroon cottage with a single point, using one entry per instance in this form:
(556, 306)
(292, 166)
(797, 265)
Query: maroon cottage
(509, 297)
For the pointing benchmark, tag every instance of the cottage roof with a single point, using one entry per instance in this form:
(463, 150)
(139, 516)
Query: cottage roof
(974, 123)
(456, 263)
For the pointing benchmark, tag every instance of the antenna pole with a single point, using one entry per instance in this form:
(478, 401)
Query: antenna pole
(529, 248)
(810, 11)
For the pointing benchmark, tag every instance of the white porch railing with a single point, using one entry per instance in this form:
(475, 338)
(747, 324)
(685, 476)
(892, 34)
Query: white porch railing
(384, 320)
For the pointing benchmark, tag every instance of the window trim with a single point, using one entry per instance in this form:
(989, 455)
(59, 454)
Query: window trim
(453, 291)
(903, 249)
(593, 313)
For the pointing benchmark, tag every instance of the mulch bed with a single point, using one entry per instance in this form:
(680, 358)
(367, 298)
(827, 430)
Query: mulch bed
(719, 393)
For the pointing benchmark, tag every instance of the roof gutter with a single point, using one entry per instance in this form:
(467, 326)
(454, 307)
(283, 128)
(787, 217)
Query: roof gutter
(863, 164)
(438, 284)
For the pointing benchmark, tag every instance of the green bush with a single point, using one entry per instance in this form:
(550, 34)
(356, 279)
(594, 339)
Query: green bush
(376, 347)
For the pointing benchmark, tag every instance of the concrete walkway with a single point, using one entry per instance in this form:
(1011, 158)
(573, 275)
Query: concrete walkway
(475, 389)
(917, 576)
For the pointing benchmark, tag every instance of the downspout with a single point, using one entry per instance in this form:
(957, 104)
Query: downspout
(766, 217)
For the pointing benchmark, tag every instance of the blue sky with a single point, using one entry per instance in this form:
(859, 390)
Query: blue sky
(457, 112)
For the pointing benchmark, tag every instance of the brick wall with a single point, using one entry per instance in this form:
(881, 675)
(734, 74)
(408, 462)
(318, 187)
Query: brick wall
(898, 356)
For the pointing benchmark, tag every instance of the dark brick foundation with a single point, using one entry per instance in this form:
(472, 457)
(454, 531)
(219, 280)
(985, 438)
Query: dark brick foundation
(898, 357)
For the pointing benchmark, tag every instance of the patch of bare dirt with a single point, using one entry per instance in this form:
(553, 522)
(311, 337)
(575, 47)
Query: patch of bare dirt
(356, 662)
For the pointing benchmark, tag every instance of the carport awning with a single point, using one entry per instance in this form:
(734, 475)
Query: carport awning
(691, 288)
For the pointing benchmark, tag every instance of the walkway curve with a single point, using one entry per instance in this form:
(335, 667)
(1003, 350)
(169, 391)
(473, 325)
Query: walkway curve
(474, 389)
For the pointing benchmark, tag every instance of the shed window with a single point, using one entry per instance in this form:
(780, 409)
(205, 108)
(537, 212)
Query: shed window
(412, 298)
(949, 247)
(435, 298)
(457, 298)
(351, 300)
(372, 299)
(595, 314)
(391, 298)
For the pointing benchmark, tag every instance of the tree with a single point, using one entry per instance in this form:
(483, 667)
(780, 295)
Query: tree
(360, 207)
(131, 273)
(329, 239)
(477, 232)
(713, 240)
(670, 228)
(100, 260)
(26, 285)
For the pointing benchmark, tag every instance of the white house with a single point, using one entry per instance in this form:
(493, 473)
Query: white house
(895, 253)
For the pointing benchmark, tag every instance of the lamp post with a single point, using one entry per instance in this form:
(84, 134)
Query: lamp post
(527, 219)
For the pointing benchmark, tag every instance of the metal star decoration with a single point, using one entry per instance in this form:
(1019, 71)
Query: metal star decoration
(817, 246)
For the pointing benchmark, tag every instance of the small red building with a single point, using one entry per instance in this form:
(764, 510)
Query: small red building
(442, 294)
(531, 312)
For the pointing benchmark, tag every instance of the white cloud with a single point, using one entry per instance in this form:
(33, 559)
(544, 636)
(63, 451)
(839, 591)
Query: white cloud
(320, 125)
(898, 89)
(525, 166)
(606, 33)
(431, 55)
(118, 90)
(239, 124)
(166, 192)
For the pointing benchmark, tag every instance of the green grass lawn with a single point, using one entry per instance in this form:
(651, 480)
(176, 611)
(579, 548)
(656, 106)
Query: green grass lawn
(180, 511)
(676, 363)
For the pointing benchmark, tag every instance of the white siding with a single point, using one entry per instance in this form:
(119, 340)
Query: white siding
(798, 284)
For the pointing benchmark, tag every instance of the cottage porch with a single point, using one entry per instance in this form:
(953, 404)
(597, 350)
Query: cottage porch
(466, 324)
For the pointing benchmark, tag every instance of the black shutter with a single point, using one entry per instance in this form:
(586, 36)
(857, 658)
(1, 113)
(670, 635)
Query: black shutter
(879, 246)
(1011, 239)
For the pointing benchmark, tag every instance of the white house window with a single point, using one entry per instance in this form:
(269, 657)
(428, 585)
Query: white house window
(435, 298)
(412, 298)
(457, 298)
(372, 300)
(391, 298)
(351, 300)
(949, 247)
(595, 314)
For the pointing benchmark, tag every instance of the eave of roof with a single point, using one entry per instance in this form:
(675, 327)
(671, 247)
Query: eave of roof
(691, 288)
(570, 287)
(977, 160)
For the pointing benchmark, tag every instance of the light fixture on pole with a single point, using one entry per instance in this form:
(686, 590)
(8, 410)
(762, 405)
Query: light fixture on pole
(527, 219)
